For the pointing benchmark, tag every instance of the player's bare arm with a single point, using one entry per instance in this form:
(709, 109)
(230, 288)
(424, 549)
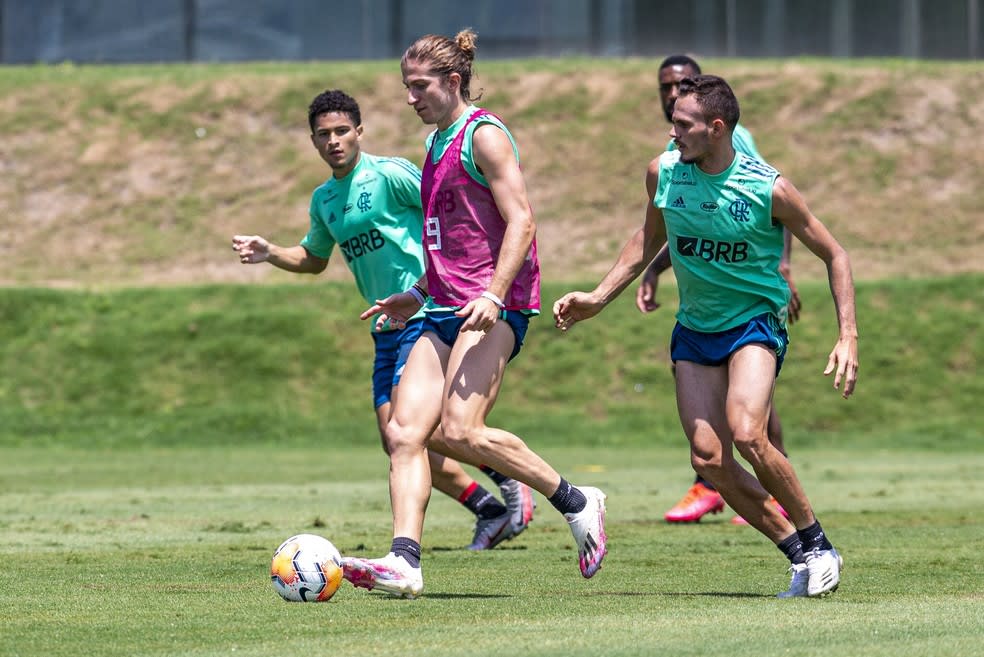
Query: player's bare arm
(789, 208)
(253, 249)
(635, 255)
(786, 269)
(649, 284)
(493, 153)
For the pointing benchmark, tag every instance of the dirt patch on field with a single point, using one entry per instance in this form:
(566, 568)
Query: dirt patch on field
(141, 179)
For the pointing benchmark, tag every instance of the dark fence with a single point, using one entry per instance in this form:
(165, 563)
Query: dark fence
(235, 30)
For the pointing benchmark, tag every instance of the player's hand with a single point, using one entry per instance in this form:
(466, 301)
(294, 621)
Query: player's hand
(844, 361)
(793, 309)
(646, 294)
(250, 248)
(397, 308)
(575, 307)
(481, 314)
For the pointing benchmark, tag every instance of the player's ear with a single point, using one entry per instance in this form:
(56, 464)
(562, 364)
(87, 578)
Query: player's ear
(454, 82)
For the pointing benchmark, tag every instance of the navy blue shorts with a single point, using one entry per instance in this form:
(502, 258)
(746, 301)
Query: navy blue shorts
(392, 350)
(714, 349)
(446, 325)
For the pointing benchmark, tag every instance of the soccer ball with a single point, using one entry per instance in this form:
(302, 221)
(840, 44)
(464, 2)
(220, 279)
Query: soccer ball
(306, 568)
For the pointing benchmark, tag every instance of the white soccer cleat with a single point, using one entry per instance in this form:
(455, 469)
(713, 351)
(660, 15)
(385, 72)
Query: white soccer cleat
(798, 582)
(588, 528)
(489, 532)
(519, 500)
(391, 574)
(824, 568)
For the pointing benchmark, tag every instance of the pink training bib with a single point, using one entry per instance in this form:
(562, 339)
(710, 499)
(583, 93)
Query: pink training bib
(463, 232)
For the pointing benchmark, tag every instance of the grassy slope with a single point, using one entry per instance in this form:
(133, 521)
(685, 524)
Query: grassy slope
(106, 183)
(233, 364)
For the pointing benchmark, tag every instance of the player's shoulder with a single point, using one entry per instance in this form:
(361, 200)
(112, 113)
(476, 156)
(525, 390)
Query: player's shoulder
(325, 189)
(756, 168)
(487, 118)
(660, 169)
(666, 159)
(394, 166)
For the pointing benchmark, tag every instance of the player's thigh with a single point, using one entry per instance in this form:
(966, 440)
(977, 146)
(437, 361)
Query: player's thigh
(751, 381)
(474, 375)
(417, 399)
(701, 394)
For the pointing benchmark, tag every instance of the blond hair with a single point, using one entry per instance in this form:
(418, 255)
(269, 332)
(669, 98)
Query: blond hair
(447, 56)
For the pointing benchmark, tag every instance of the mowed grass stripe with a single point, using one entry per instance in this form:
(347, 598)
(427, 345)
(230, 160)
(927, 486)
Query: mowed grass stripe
(131, 569)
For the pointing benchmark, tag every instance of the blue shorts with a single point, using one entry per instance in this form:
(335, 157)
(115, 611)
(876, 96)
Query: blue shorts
(392, 350)
(714, 349)
(446, 325)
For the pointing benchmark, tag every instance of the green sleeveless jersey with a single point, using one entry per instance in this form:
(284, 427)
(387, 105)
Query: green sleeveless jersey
(373, 214)
(741, 139)
(724, 245)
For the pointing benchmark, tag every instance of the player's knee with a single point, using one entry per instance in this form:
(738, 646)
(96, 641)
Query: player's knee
(399, 438)
(463, 434)
(707, 465)
(751, 444)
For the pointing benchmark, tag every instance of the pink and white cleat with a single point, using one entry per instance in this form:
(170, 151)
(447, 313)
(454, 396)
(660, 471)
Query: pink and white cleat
(391, 574)
(588, 528)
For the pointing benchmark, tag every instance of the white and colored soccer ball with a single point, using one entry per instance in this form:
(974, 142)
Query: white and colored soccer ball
(306, 568)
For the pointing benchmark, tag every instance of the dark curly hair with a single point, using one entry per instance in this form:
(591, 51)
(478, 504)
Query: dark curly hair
(714, 97)
(681, 60)
(334, 100)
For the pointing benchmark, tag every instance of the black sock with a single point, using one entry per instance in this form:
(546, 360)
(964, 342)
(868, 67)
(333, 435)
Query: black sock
(813, 538)
(705, 483)
(497, 477)
(792, 547)
(481, 502)
(407, 548)
(567, 498)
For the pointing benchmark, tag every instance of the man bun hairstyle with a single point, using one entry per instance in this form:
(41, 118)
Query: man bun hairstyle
(447, 56)
(714, 97)
(334, 100)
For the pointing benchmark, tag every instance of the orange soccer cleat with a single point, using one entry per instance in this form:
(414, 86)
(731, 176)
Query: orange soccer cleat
(697, 503)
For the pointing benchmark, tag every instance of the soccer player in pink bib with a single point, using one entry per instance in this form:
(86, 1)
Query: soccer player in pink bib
(370, 209)
(481, 287)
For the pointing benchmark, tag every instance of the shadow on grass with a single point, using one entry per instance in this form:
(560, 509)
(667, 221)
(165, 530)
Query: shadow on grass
(466, 596)
(462, 548)
(440, 596)
(677, 594)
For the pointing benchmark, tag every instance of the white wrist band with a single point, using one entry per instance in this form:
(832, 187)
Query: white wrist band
(494, 299)
(413, 291)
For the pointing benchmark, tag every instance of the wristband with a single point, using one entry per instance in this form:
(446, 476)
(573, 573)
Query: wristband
(494, 299)
(416, 294)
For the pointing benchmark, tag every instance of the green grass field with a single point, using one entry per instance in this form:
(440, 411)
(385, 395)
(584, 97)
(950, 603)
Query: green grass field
(168, 416)
(156, 445)
(165, 551)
